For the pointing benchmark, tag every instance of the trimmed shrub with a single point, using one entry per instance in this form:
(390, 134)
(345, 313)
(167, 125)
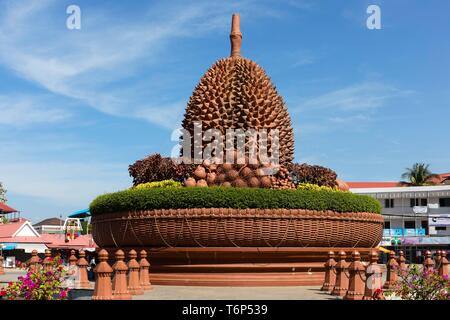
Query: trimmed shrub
(315, 187)
(222, 197)
(305, 173)
(159, 184)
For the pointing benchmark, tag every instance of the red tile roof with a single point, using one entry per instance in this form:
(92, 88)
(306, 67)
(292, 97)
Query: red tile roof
(57, 241)
(9, 229)
(6, 209)
(356, 185)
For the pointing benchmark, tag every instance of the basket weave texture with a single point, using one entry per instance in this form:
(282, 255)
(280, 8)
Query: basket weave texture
(225, 227)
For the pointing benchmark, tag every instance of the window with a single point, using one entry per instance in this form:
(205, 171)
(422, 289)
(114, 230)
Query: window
(410, 224)
(418, 202)
(387, 225)
(388, 203)
(441, 228)
(424, 225)
(444, 202)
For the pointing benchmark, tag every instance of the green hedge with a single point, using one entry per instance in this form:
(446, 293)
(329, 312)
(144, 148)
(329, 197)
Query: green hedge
(220, 197)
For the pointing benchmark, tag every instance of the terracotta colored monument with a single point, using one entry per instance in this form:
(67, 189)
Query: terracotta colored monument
(374, 276)
(231, 246)
(103, 272)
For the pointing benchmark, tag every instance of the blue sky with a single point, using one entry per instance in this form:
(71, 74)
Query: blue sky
(78, 106)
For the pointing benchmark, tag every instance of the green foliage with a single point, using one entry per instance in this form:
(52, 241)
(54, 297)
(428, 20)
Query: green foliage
(416, 284)
(222, 197)
(159, 184)
(2, 193)
(38, 284)
(305, 173)
(315, 187)
(418, 175)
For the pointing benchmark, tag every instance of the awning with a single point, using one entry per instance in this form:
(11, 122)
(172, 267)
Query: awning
(6, 209)
(8, 246)
(81, 214)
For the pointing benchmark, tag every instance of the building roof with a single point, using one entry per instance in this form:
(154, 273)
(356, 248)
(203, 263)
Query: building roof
(57, 241)
(6, 209)
(357, 185)
(440, 189)
(11, 232)
(50, 222)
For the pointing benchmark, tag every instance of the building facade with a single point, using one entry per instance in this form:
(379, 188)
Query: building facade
(416, 218)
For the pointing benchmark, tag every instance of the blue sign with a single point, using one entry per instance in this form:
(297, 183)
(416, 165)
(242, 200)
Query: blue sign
(9, 246)
(399, 232)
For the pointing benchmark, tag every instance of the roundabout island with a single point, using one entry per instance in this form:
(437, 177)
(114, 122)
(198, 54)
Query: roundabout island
(245, 221)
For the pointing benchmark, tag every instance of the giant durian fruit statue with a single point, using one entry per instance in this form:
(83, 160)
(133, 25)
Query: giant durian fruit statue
(236, 93)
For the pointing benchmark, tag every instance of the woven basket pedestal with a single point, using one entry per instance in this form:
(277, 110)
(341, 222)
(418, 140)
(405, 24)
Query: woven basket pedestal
(238, 247)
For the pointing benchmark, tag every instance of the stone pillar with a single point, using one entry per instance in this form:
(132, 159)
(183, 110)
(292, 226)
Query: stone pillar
(392, 272)
(2, 270)
(428, 264)
(443, 268)
(330, 273)
(357, 279)
(144, 266)
(34, 261)
(401, 263)
(341, 285)
(374, 276)
(120, 287)
(133, 275)
(72, 258)
(103, 271)
(437, 259)
(83, 282)
(48, 261)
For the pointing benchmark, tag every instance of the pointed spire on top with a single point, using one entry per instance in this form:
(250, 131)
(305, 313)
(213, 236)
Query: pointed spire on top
(236, 36)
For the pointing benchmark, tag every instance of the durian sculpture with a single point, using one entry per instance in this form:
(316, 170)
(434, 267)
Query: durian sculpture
(236, 93)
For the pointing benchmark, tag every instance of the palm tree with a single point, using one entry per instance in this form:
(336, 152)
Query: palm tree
(418, 175)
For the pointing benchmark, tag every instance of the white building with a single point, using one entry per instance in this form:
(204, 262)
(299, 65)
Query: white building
(416, 218)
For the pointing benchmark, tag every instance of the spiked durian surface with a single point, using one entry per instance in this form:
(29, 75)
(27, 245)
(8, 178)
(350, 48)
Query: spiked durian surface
(236, 93)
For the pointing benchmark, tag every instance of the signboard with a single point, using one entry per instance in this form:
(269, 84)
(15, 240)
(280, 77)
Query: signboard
(399, 232)
(439, 221)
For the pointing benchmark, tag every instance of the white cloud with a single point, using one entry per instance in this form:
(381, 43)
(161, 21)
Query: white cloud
(23, 110)
(364, 96)
(84, 64)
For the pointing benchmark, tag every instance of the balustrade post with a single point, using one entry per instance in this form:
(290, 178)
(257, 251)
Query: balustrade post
(341, 285)
(357, 278)
(82, 264)
(103, 271)
(48, 261)
(443, 268)
(392, 272)
(34, 262)
(402, 262)
(120, 286)
(374, 276)
(330, 273)
(428, 264)
(144, 267)
(133, 274)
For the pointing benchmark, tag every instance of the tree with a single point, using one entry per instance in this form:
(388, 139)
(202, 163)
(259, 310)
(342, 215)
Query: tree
(2, 193)
(418, 175)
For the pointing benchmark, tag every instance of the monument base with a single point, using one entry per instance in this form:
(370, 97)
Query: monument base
(233, 266)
